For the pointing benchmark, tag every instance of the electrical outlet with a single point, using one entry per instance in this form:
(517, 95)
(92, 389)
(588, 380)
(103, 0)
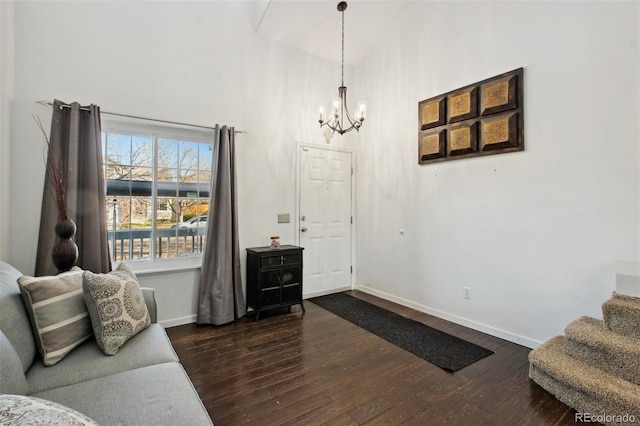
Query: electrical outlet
(466, 292)
(284, 218)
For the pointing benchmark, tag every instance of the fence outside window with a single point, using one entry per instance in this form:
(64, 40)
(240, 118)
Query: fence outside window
(137, 243)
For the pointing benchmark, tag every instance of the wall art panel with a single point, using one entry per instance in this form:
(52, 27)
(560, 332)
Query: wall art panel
(432, 113)
(463, 139)
(483, 118)
(432, 145)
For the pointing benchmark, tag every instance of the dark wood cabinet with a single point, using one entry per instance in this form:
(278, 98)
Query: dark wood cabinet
(274, 278)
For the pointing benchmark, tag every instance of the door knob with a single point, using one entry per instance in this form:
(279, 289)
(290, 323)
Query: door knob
(303, 229)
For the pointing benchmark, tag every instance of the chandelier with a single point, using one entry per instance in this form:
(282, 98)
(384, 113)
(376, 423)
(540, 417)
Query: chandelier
(340, 120)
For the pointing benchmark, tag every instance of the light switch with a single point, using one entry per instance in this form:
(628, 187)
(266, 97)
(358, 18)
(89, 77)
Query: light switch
(284, 218)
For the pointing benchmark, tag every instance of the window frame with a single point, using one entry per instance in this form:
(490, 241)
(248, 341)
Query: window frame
(135, 127)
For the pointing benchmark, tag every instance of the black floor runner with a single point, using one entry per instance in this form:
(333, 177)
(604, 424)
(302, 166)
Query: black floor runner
(439, 348)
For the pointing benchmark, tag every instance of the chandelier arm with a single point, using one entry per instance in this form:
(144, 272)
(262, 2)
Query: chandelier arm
(349, 118)
(353, 124)
(345, 110)
(337, 128)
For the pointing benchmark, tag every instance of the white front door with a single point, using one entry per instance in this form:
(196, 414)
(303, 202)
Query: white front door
(325, 219)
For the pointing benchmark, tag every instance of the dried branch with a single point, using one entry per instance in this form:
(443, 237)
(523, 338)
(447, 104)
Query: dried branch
(55, 175)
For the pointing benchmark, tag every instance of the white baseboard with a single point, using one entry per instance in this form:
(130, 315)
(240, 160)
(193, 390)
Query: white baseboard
(496, 332)
(502, 334)
(178, 321)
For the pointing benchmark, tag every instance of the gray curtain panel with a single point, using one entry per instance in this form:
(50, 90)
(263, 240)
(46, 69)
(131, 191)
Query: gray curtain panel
(221, 299)
(76, 136)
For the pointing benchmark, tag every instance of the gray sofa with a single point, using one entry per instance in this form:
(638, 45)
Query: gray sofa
(143, 384)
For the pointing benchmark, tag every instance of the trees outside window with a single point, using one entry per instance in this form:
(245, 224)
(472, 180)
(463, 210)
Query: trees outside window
(157, 179)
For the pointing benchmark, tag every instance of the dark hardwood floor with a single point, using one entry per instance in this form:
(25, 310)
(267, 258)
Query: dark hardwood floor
(316, 368)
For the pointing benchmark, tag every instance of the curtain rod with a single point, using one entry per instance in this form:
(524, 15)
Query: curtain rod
(49, 103)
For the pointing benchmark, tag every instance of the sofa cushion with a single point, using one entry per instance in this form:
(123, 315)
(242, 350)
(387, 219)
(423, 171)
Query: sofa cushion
(117, 307)
(14, 319)
(25, 410)
(160, 394)
(12, 378)
(87, 362)
(58, 314)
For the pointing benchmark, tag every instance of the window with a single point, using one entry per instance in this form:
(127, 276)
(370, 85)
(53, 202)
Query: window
(157, 184)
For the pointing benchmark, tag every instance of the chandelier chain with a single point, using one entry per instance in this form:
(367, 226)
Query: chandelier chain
(342, 48)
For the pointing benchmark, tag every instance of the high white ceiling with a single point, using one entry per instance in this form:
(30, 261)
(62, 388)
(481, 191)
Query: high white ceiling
(315, 26)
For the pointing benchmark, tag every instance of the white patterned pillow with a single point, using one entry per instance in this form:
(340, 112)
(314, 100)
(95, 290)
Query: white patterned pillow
(116, 306)
(58, 314)
(27, 410)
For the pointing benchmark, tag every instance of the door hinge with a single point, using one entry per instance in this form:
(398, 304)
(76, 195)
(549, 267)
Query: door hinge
(351, 170)
(352, 220)
(352, 269)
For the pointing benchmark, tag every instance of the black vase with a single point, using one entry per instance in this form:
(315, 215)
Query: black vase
(65, 250)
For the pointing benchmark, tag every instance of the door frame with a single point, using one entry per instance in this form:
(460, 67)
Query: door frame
(299, 147)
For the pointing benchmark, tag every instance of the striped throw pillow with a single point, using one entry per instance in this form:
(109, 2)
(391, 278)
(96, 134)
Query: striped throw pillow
(59, 316)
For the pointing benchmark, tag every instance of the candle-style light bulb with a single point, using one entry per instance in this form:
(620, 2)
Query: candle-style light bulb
(321, 113)
(336, 107)
(361, 110)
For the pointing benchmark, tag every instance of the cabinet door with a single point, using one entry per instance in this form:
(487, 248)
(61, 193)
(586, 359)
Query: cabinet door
(270, 288)
(291, 286)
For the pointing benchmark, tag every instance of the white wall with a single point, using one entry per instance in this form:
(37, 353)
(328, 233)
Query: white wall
(176, 295)
(194, 62)
(6, 98)
(535, 234)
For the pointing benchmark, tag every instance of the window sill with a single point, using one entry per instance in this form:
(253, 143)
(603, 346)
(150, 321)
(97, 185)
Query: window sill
(163, 266)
